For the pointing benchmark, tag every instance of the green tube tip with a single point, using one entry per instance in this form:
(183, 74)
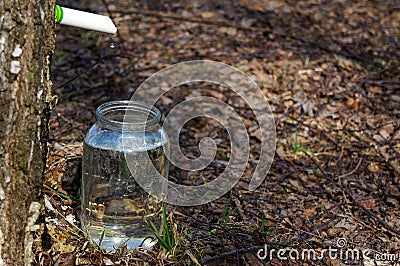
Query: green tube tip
(59, 14)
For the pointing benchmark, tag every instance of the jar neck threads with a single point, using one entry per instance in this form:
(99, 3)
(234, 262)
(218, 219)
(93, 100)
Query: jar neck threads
(127, 116)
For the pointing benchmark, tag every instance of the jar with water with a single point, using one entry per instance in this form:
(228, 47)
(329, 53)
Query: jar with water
(115, 208)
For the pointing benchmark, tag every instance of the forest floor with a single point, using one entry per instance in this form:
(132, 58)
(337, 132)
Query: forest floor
(330, 71)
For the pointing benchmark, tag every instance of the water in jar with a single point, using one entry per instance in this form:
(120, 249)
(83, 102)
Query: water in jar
(114, 207)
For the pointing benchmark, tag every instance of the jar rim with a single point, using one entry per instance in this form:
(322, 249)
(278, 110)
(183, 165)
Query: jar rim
(112, 115)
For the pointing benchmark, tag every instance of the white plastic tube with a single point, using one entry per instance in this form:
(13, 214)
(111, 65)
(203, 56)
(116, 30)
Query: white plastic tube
(90, 21)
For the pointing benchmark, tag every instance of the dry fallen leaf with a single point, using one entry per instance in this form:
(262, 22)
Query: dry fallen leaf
(309, 212)
(347, 223)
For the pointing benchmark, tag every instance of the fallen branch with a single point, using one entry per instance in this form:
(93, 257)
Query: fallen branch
(370, 213)
(371, 190)
(99, 60)
(162, 15)
(381, 152)
(229, 253)
(346, 190)
(352, 171)
(322, 228)
(281, 34)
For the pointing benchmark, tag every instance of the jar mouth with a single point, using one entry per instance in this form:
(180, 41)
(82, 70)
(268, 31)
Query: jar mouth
(127, 115)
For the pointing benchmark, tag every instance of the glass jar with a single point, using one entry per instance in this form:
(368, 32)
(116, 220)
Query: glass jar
(114, 207)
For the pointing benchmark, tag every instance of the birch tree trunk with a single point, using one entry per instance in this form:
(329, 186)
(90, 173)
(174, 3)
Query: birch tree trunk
(26, 45)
